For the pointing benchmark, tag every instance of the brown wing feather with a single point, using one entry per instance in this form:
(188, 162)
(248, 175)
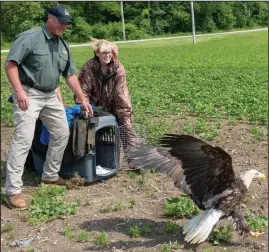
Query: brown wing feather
(207, 169)
(148, 157)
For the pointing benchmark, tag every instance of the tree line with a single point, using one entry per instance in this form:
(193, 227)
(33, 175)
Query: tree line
(142, 19)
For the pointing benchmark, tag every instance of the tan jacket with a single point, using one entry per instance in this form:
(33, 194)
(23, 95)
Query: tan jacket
(109, 91)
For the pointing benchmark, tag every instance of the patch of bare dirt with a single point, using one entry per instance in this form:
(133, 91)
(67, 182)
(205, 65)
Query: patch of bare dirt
(149, 196)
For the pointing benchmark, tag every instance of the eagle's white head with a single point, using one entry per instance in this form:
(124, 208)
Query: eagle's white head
(249, 175)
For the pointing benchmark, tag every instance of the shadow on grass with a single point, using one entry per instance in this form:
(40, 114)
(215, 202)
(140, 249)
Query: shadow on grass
(154, 238)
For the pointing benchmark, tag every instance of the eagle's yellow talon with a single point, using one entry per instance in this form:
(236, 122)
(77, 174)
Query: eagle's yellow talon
(256, 234)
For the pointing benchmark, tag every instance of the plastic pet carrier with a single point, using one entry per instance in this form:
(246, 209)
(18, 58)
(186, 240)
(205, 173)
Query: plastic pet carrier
(100, 162)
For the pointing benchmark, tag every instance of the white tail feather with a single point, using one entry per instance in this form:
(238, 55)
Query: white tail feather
(193, 222)
(199, 227)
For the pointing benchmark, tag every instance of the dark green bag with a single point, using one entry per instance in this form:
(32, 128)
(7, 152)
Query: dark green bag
(83, 135)
(84, 128)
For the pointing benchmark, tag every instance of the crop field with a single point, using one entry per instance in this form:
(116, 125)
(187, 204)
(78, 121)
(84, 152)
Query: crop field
(220, 77)
(217, 90)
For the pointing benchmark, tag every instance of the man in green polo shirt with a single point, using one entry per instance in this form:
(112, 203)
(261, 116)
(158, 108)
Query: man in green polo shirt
(33, 67)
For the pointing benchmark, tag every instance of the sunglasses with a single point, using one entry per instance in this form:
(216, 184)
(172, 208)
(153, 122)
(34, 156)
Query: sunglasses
(105, 53)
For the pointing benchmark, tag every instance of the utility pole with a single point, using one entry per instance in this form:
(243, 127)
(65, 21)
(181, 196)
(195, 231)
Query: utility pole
(193, 24)
(122, 20)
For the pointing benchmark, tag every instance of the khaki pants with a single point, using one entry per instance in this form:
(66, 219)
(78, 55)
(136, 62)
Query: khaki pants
(51, 111)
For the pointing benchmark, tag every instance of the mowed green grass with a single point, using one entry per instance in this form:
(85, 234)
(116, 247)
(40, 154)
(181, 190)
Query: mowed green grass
(220, 76)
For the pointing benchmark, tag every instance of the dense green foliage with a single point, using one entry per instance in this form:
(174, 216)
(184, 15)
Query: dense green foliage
(219, 77)
(180, 207)
(222, 234)
(142, 19)
(256, 222)
(48, 203)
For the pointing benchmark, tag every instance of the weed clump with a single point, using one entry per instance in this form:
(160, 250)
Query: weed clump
(134, 231)
(180, 207)
(222, 234)
(256, 223)
(101, 239)
(48, 204)
(83, 236)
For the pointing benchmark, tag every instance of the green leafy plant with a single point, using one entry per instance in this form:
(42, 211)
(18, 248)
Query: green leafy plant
(175, 245)
(170, 227)
(153, 170)
(165, 247)
(134, 231)
(131, 203)
(133, 175)
(107, 208)
(222, 234)
(83, 236)
(68, 233)
(145, 228)
(171, 246)
(110, 208)
(258, 133)
(256, 223)
(180, 207)
(118, 207)
(203, 128)
(101, 239)
(48, 204)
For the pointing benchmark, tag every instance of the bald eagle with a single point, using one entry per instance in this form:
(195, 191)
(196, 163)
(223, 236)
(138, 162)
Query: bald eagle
(205, 173)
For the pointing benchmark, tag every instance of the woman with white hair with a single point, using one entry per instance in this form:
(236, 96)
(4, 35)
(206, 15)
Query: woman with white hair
(103, 81)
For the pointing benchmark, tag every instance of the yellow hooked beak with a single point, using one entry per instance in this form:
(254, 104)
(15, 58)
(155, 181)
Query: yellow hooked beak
(263, 177)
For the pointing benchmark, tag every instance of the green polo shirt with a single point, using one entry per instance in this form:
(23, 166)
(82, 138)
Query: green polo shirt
(41, 59)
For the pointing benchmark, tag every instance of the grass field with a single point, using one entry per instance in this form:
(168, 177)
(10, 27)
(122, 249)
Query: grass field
(216, 89)
(219, 77)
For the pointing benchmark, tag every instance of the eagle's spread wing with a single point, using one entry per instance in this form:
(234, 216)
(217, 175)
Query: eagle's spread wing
(207, 169)
(148, 157)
